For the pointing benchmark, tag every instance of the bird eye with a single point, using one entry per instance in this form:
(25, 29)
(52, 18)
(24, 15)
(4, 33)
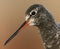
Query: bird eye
(33, 12)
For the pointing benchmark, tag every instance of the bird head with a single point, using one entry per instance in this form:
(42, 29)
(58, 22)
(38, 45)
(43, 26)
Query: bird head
(35, 15)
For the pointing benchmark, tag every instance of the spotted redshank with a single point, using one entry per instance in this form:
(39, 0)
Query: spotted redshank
(37, 15)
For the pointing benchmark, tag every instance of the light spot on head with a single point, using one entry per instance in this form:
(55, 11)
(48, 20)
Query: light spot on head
(31, 21)
(27, 17)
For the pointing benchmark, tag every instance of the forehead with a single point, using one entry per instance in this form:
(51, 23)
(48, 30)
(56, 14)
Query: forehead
(32, 7)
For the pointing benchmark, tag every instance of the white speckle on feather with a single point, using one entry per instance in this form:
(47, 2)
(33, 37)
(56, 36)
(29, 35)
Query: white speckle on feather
(44, 43)
(58, 42)
(57, 35)
(49, 46)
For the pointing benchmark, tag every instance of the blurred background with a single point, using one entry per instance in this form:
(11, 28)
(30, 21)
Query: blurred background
(12, 14)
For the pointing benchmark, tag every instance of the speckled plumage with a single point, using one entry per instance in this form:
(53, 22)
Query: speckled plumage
(50, 31)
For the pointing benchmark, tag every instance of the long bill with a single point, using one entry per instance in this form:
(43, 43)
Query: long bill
(16, 32)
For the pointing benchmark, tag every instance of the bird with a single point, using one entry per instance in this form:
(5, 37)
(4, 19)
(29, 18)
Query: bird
(37, 15)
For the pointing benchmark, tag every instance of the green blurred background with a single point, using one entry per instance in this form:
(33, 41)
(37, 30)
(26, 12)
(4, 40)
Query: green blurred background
(12, 14)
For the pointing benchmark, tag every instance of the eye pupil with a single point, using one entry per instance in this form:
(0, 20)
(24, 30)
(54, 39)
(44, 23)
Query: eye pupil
(33, 13)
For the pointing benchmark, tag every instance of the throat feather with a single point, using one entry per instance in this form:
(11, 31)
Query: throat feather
(49, 33)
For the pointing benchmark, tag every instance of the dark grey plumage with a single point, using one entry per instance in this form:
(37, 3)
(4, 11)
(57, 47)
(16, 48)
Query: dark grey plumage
(49, 30)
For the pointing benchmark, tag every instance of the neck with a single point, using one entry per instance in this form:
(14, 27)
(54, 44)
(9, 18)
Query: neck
(48, 32)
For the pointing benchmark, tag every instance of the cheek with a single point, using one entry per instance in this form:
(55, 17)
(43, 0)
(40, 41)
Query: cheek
(31, 22)
(37, 21)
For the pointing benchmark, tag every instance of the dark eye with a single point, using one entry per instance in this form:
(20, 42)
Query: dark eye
(33, 12)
